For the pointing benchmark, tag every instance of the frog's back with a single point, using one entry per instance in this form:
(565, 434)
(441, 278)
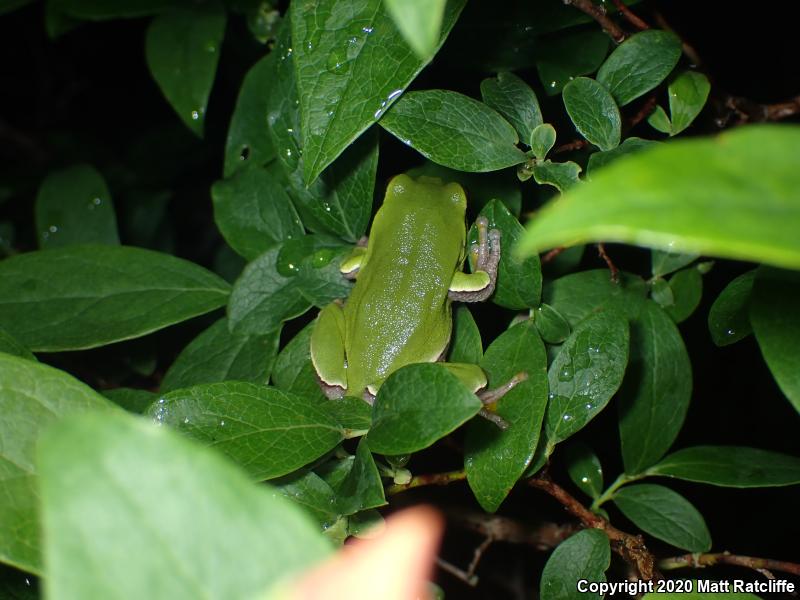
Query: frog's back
(399, 311)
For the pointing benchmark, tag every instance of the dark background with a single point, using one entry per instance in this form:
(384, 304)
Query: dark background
(88, 96)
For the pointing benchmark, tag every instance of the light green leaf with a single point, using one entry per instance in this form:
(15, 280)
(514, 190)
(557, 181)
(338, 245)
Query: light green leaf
(182, 47)
(285, 282)
(552, 326)
(542, 139)
(516, 101)
(585, 374)
(351, 65)
(729, 318)
(465, 343)
(584, 468)
(730, 466)
(661, 293)
(593, 111)
(519, 282)
(775, 315)
(663, 262)
(734, 196)
(630, 145)
(655, 394)
(639, 64)
(73, 206)
(417, 405)
(193, 525)
(266, 431)
(687, 290)
(420, 22)
(687, 95)
(454, 130)
(79, 297)
(294, 371)
(659, 120)
(585, 555)
(561, 175)
(558, 62)
(495, 459)
(665, 515)
(11, 346)
(218, 355)
(133, 400)
(249, 142)
(253, 211)
(32, 397)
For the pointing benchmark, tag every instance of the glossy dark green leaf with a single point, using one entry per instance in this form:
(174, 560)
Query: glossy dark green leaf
(542, 139)
(253, 211)
(218, 355)
(584, 468)
(193, 525)
(100, 10)
(249, 142)
(658, 386)
(585, 555)
(665, 515)
(309, 491)
(730, 466)
(585, 374)
(74, 206)
(558, 62)
(639, 64)
(519, 281)
(477, 138)
(495, 459)
(352, 413)
(663, 262)
(729, 318)
(630, 145)
(79, 297)
(361, 488)
(577, 295)
(561, 175)
(687, 290)
(775, 315)
(294, 371)
(351, 66)
(285, 282)
(266, 431)
(182, 48)
(32, 397)
(133, 400)
(465, 343)
(9, 345)
(706, 196)
(515, 100)
(593, 111)
(550, 323)
(420, 22)
(417, 405)
(688, 93)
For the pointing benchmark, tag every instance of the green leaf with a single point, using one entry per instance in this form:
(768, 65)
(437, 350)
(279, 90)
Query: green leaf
(495, 459)
(361, 488)
(577, 295)
(665, 515)
(663, 262)
(550, 323)
(655, 394)
(585, 374)
(352, 413)
(351, 66)
(294, 371)
(73, 206)
(659, 120)
(312, 493)
(734, 196)
(79, 297)
(585, 555)
(9, 345)
(775, 315)
(593, 111)
(542, 139)
(561, 175)
(32, 397)
(193, 525)
(265, 430)
(100, 10)
(661, 293)
(584, 468)
(285, 282)
(454, 130)
(687, 290)
(465, 343)
(688, 93)
(519, 281)
(417, 405)
(729, 318)
(182, 48)
(730, 466)
(132, 400)
(420, 22)
(249, 142)
(639, 64)
(630, 145)
(219, 355)
(253, 211)
(559, 61)
(516, 101)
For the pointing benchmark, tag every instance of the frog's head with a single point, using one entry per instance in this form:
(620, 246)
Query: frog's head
(431, 191)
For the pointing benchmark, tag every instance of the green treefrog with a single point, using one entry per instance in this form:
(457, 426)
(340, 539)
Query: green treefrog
(399, 310)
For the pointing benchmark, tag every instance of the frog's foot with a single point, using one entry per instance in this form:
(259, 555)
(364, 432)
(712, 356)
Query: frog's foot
(490, 398)
(494, 418)
(332, 392)
(485, 255)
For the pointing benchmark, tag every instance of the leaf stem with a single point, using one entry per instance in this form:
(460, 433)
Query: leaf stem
(429, 479)
(612, 489)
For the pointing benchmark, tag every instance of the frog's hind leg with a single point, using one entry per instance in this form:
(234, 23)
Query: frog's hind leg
(485, 254)
(328, 352)
(490, 398)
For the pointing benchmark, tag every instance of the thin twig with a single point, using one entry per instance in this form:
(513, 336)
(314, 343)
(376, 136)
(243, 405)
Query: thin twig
(542, 536)
(569, 146)
(601, 250)
(598, 13)
(642, 113)
(429, 479)
(688, 49)
(725, 558)
(630, 16)
(478, 554)
(470, 580)
(552, 254)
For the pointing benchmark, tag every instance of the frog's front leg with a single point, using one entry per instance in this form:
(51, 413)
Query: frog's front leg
(328, 350)
(478, 286)
(475, 379)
